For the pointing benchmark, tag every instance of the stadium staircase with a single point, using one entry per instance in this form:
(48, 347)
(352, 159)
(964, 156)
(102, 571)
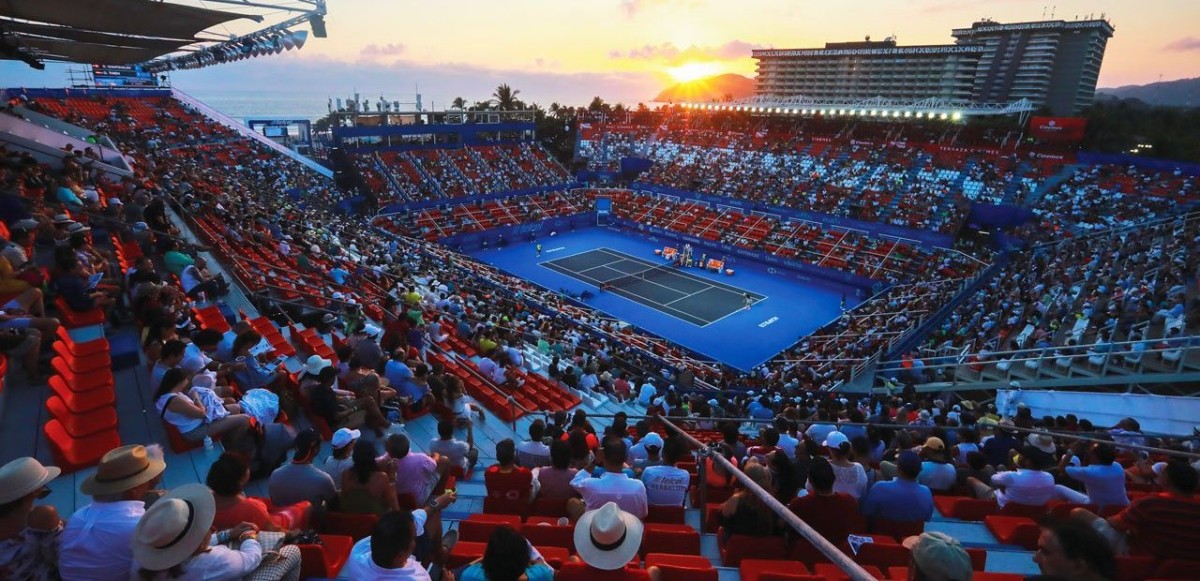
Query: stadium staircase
(387, 174)
(1014, 185)
(910, 176)
(1052, 182)
(429, 179)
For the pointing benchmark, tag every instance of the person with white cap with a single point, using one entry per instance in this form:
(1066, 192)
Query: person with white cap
(339, 459)
(937, 556)
(96, 541)
(29, 534)
(174, 540)
(606, 540)
(666, 484)
(850, 476)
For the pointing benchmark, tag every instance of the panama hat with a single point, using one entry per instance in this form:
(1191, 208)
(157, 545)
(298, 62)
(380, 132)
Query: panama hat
(315, 364)
(22, 477)
(124, 468)
(608, 538)
(1042, 441)
(173, 528)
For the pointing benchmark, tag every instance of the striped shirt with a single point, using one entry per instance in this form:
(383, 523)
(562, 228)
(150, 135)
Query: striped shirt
(1164, 525)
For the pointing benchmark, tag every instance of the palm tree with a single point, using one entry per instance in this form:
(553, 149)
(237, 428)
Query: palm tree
(505, 97)
(459, 103)
(555, 109)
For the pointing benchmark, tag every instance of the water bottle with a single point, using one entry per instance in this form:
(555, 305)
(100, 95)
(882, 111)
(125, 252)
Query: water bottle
(208, 444)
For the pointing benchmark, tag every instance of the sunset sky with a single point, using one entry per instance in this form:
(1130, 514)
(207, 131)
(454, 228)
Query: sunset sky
(627, 50)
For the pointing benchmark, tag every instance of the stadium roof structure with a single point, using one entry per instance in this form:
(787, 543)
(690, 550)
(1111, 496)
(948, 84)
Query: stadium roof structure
(129, 32)
(875, 107)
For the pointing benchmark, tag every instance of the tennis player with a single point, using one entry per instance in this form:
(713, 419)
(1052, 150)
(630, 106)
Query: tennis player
(539, 249)
(747, 301)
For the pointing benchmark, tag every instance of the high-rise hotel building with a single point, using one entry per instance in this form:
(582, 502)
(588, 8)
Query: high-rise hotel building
(1051, 63)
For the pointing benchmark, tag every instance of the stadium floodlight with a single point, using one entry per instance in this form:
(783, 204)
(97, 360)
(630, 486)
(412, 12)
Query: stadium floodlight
(943, 117)
(957, 116)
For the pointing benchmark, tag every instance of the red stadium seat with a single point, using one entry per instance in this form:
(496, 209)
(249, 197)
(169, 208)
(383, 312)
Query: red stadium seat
(355, 526)
(755, 569)
(550, 535)
(72, 454)
(682, 567)
(82, 425)
(665, 515)
(670, 539)
(738, 547)
(325, 559)
(1014, 530)
(479, 527)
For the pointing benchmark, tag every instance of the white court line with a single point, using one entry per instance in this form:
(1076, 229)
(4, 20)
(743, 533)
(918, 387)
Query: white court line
(619, 291)
(703, 290)
(685, 275)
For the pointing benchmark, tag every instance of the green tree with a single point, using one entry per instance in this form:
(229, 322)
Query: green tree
(505, 98)
(459, 103)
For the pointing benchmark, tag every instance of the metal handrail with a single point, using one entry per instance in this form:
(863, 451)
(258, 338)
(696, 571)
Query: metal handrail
(847, 565)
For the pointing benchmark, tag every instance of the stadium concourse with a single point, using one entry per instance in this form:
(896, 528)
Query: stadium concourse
(209, 343)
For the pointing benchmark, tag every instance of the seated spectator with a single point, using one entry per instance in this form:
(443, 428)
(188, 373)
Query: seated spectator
(29, 535)
(188, 414)
(937, 556)
(1164, 525)
(342, 445)
(393, 550)
(227, 478)
(614, 485)
(72, 285)
(999, 446)
(508, 556)
(534, 452)
(667, 485)
(174, 540)
(638, 451)
(461, 406)
(506, 482)
(653, 445)
(97, 541)
(1103, 478)
(554, 481)
(460, 454)
(1069, 549)
(300, 481)
(832, 514)
(606, 540)
(745, 513)
(366, 486)
(416, 474)
(851, 477)
(251, 371)
(901, 499)
(937, 472)
(1029, 484)
(342, 409)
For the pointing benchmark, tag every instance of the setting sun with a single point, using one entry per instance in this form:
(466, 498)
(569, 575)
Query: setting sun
(692, 71)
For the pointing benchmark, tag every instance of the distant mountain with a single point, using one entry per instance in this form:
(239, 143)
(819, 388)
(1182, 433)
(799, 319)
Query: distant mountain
(708, 89)
(1180, 93)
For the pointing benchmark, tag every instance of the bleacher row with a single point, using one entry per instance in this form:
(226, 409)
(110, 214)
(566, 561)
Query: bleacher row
(433, 224)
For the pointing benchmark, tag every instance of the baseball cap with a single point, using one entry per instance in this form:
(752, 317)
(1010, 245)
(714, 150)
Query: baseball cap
(940, 557)
(835, 440)
(935, 443)
(653, 440)
(344, 436)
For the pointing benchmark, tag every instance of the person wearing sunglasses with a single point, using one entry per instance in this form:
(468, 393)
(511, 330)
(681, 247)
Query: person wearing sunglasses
(28, 533)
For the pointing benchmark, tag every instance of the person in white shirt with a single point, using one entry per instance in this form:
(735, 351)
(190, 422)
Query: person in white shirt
(96, 541)
(460, 453)
(1103, 478)
(787, 443)
(647, 392)
(388, 552)
(667, 485)
(339, 459)
(614, 485)
(174, 540)
(534, 452)
(1029, 485)
(637, 452)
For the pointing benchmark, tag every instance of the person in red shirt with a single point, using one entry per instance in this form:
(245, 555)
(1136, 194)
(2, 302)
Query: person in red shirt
(1164, 525)
(833, 514)
(508, 485)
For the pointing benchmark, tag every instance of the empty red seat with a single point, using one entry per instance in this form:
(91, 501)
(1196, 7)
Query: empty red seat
(682, 567)
(82, 425)
(665, 515)
(963, 508)
(355, 526)
(1014, 530)
(479, 527)
(755, 569)
(899, 530)
(83, 348)
(82, 402)
(554, 556)
(71, 454)
(325, 559)
(550, 535)
(73, 319)
(738, 547)
(670, 539)
(80, 382)
(831, 572)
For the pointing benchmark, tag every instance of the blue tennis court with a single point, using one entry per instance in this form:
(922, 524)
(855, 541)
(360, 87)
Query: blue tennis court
(696, 308)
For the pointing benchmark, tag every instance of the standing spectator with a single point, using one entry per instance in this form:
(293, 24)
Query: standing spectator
(174, 540)
(339, 460)
(534, 452)
(614, 485)
(1164, 525)
(300, 481)
(667, 485)
(29, 535)
(1072, 550)
(901, 499)
(96, 543)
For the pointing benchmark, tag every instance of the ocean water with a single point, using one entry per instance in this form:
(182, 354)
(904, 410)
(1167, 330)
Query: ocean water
(248, 104)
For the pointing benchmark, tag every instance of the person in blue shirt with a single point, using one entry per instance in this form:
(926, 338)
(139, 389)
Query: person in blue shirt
(339, 274)
(760, 409)
(902, 499)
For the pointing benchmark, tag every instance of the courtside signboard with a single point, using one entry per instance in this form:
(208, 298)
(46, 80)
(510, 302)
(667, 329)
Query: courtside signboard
(1057, 129)
(122, 76)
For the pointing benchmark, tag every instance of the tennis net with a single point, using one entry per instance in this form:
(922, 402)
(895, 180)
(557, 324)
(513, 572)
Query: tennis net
(648, 274)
